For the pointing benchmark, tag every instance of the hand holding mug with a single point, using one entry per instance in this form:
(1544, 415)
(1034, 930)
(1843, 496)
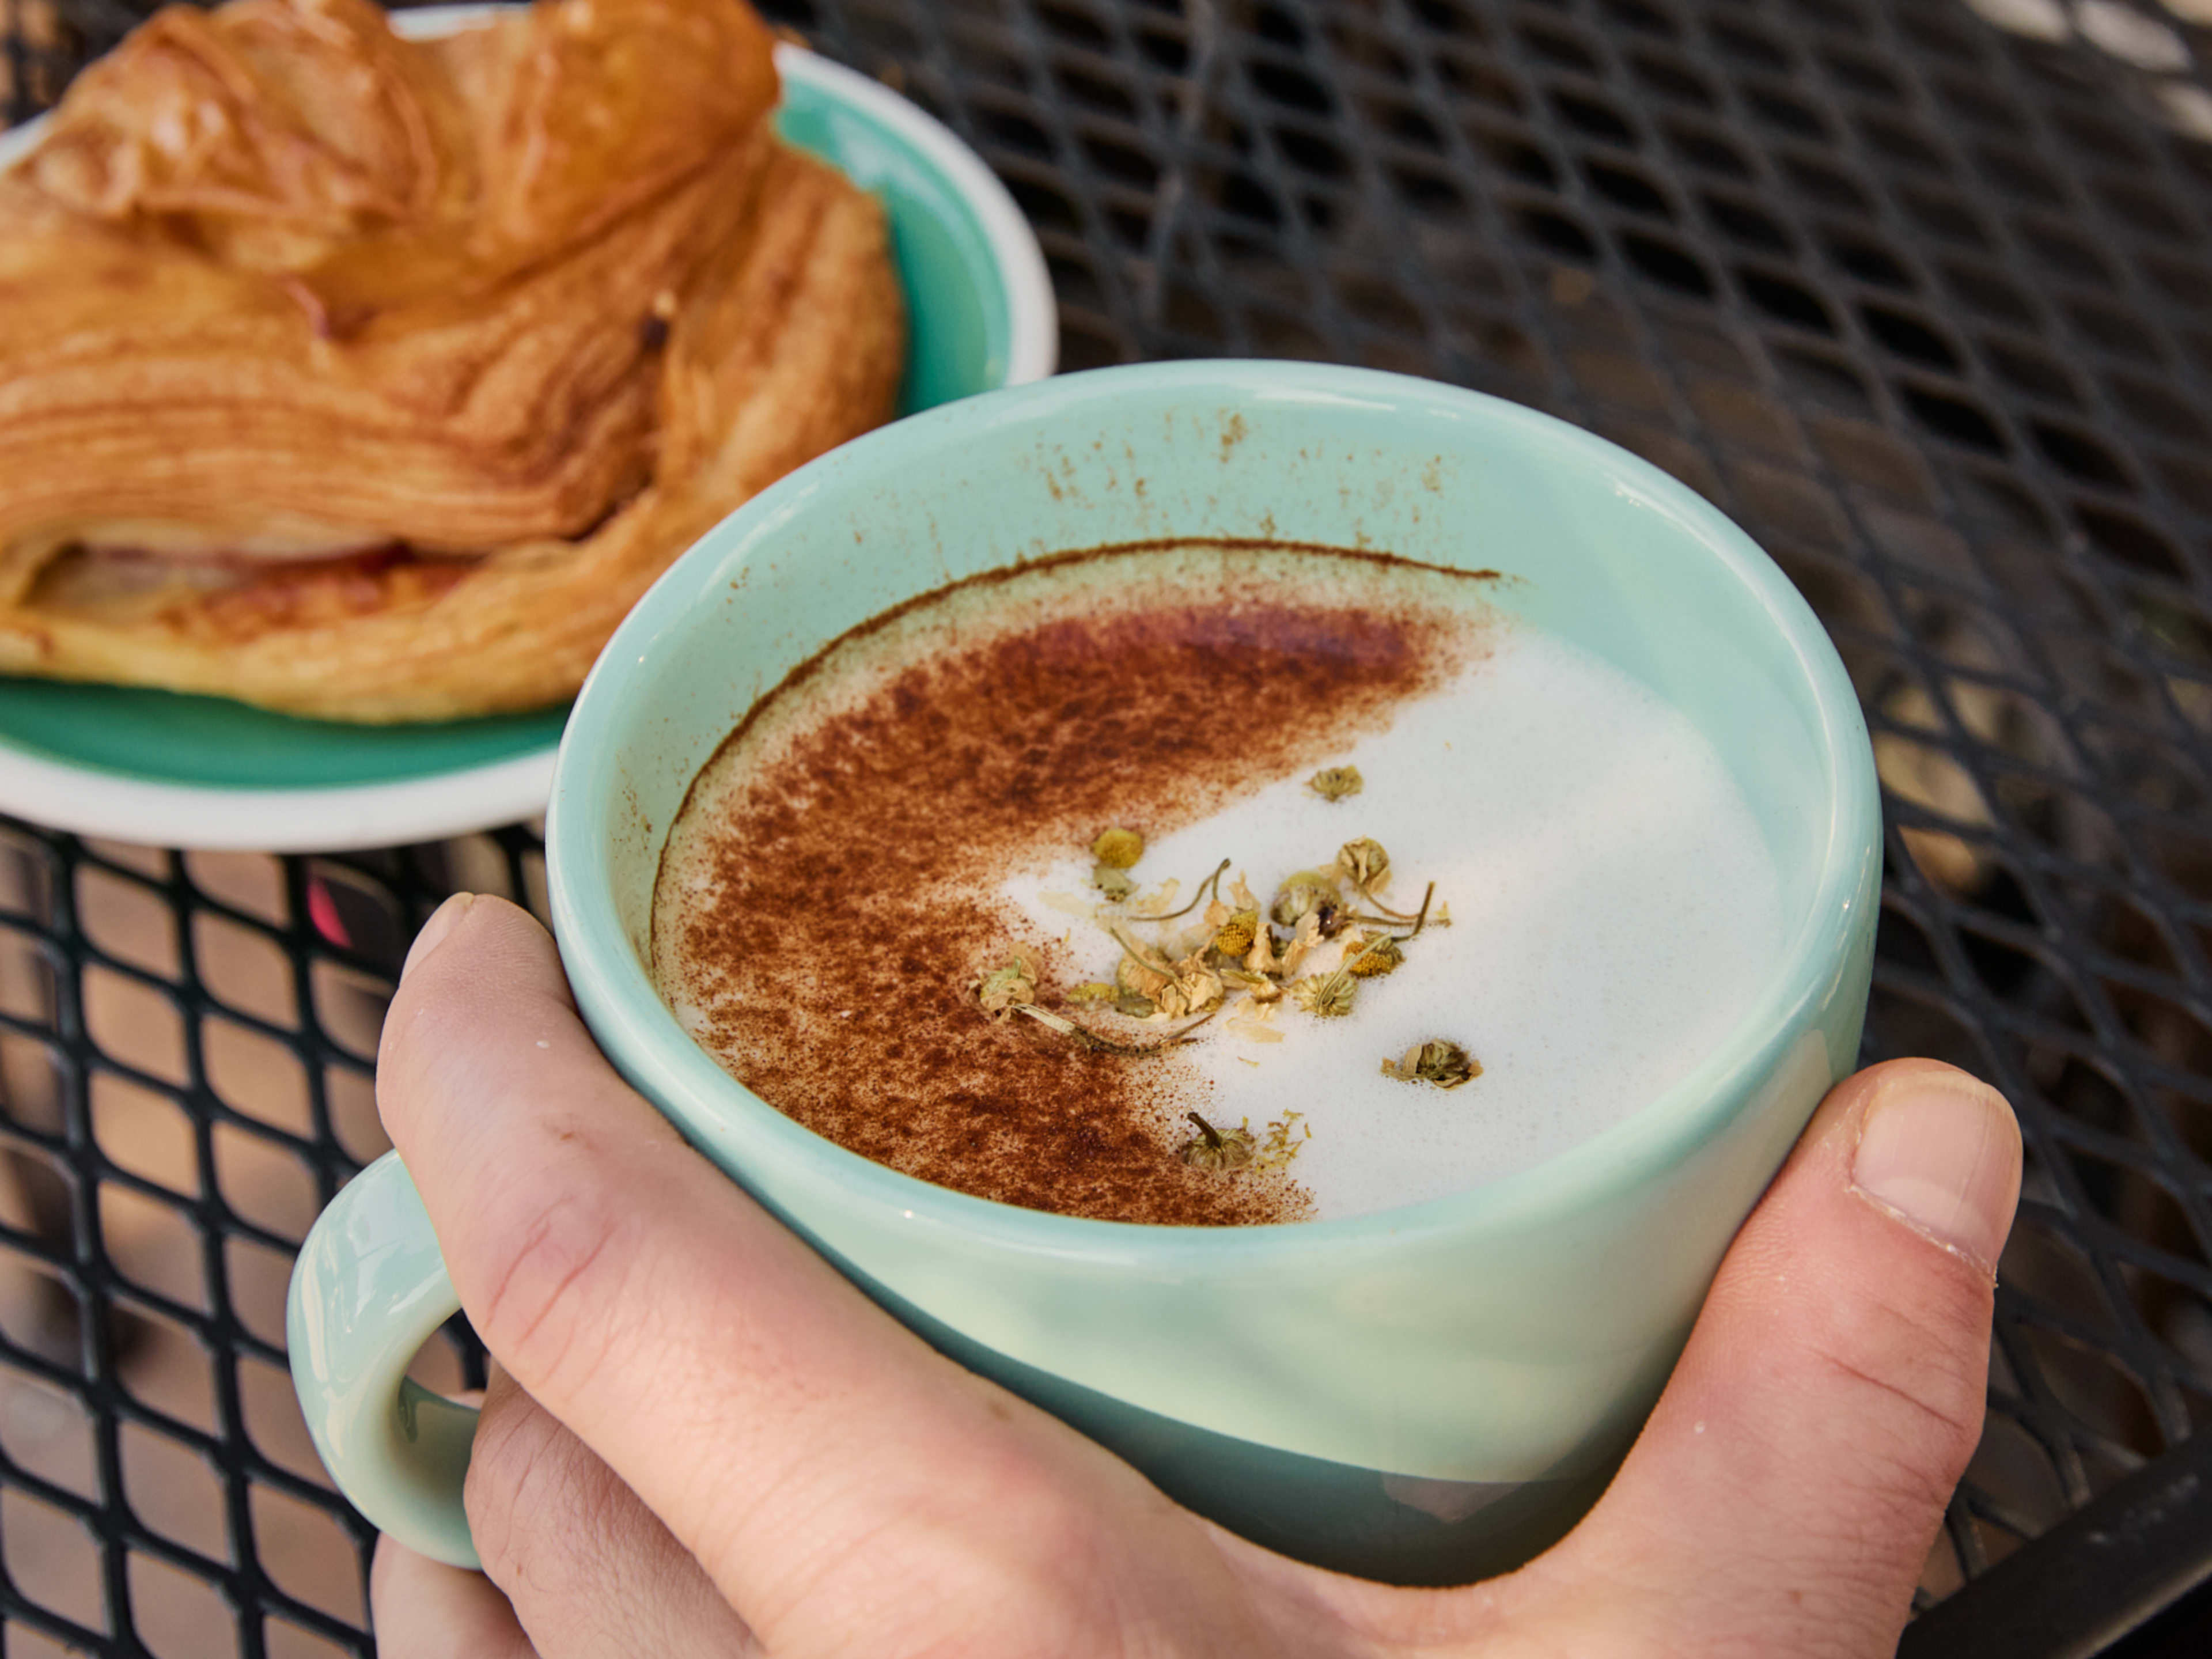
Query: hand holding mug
(704, 1440)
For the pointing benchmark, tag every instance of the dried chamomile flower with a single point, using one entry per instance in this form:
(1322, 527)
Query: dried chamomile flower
(1237, 933)
(1216, 1149)
(1364, 862)
(1260, 959)
(1188, 987)
(1258, 986)
(1096, 991)
(1375, 959)
(1336, 782)
(1302, 894)
(1445, 1064)
(1241, 895)
(1142, 978)
(1002, 989)
(1199, 985)
(1112, 883)
(1283, 1142)
(1081, 1037)
(1138, 959)
(1173, 1000)
(1326, 996)
(1305, 939)
(1118, 849)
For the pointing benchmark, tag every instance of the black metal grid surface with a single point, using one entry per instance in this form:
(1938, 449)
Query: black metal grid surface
(1924, 299)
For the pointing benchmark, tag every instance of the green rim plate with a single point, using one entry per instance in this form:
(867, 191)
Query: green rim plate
(144, 765)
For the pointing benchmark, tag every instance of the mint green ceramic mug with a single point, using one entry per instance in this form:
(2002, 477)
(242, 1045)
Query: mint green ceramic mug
(1421, 1394)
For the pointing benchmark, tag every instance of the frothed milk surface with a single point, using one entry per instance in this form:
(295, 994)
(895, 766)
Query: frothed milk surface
(1613, 915)
(911, 814)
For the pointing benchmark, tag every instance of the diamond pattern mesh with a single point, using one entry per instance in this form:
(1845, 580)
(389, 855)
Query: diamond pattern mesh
(1919, 290)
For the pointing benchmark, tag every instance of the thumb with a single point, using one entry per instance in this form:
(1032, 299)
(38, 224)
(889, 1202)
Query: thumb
(1783, 1497)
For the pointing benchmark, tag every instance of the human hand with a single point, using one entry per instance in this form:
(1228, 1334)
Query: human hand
(701, 1440)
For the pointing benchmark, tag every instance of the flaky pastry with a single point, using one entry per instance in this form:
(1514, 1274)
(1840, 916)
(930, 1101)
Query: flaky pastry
(374, 380)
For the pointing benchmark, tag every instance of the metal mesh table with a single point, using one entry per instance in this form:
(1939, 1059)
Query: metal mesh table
(1919, 290)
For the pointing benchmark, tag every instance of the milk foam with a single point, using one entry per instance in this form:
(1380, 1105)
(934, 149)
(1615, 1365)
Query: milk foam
(1615, 915)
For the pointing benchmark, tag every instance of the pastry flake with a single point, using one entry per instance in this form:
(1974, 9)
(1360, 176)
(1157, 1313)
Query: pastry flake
(375, 379)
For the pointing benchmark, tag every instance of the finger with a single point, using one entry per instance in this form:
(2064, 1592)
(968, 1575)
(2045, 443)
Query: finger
(424, 1609)
(1785, 1492)
(587, 1568)
(833, 1476)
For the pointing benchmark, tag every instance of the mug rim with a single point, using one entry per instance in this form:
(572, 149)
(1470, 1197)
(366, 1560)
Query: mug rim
(681, 1079)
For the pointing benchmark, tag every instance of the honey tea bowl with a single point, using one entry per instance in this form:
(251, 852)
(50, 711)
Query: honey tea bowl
(1423, 1394)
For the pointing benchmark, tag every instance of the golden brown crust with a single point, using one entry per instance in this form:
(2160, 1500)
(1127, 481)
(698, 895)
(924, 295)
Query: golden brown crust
(809, 342)
(442, 313)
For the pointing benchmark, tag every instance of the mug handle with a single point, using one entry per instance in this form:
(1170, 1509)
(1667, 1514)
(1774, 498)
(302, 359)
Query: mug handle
(368, 1290)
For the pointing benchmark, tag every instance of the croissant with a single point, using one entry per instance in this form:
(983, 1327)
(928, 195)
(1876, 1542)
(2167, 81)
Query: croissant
(375, 379)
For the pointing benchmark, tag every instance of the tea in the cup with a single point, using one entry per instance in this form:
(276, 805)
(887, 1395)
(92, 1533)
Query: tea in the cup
(1209, 884)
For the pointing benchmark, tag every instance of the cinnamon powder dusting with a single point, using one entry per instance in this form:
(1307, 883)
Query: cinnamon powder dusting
(830, 893)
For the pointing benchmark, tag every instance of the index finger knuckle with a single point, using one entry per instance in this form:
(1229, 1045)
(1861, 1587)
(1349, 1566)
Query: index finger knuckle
(548, 1276)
